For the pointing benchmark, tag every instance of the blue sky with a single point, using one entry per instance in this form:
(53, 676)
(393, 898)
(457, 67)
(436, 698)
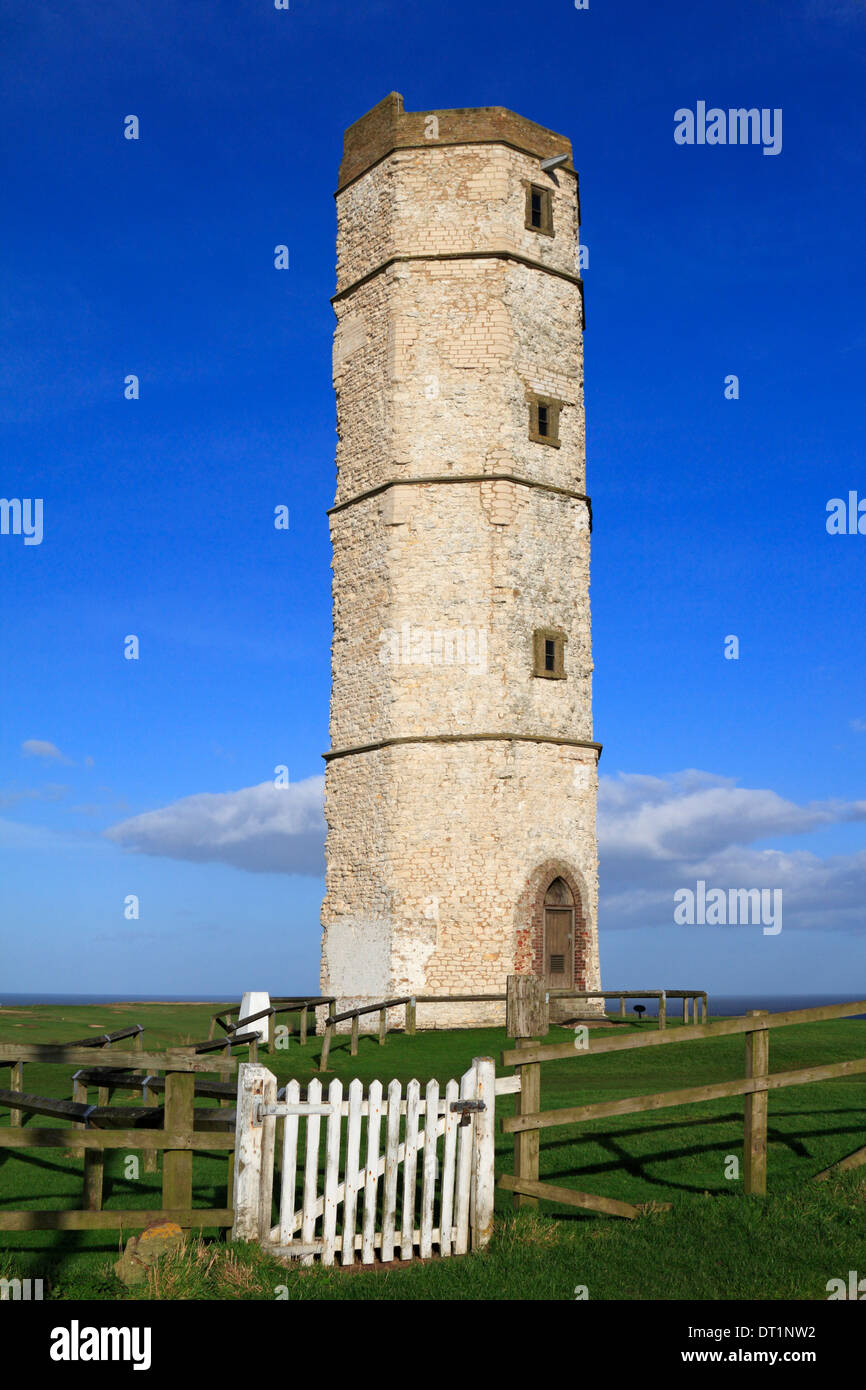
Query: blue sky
(155, 257)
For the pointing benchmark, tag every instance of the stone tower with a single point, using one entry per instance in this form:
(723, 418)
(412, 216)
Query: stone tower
(460, 787)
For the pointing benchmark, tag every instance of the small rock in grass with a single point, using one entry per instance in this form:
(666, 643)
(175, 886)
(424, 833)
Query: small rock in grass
(143, 1251)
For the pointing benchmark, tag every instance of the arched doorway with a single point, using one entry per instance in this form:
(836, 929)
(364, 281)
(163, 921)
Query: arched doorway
(558, 956)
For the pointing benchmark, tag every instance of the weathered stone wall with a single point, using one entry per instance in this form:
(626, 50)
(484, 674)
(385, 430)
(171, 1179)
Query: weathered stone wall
(446, 569)
(466, 825)
(477, 774)
(439, 201)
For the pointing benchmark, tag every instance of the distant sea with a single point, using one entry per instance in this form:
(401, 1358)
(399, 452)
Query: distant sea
(727, 1004)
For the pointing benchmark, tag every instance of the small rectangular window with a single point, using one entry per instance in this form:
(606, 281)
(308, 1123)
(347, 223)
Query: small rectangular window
(539, 209)
(549, 653)
(544, 414)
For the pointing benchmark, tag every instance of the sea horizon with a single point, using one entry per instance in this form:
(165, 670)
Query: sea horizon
(719, 1004)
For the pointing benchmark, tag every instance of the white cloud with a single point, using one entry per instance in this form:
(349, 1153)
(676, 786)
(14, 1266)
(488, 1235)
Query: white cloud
(40, 748)
(658, 834)
(695, 812)
(263, 829)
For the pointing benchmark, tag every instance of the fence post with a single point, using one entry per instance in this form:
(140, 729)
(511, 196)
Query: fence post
(94, 1163)
(16, 1083)
(527, 1007)
(254, 1153)
(178, 1120)
(527, 1012)
(93, 1159)
(353, 1049)
(483, 1152)
(527, 1141)
(272, 1018)
(326, 1045)
(411, 1013)
(303, 1038)
(755, 1118)
(383, 1026)
(663, 1010)
(269, 1126)
(622, 1006)
(685, 1008)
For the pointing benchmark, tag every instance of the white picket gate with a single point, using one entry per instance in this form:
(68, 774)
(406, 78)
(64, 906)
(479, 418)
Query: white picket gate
(375, 1146)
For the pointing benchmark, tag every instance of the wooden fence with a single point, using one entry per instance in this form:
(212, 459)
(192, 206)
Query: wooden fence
(177, 1130)
(284, 1004)
(692, 999)
(98, 1040)
(755, 1085)
(369, 1199)
(410, 1004)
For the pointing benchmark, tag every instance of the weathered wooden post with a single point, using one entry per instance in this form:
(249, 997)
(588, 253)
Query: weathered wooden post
(303, 1037)
(755, 1118)
(254, 1153)
(178, 1124)
(326, 1044)
(353, 1049)
(663, 1010)
(383, 1025)
(16, 1083)
(483, 1161)
(94, 1165)
(685, 1008)
(411, 1017)
(622, 1006)
(527, 1020)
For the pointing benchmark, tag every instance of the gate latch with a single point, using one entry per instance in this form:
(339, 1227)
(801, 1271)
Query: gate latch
(465, 1108)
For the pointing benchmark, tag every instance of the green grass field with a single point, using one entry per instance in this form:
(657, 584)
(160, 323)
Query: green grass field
(714, 1243)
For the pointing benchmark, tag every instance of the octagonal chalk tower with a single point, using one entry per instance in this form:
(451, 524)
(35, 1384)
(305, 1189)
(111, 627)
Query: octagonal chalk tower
(460, 786)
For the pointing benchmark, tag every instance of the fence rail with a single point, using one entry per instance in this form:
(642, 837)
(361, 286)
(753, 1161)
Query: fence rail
(755, 1086)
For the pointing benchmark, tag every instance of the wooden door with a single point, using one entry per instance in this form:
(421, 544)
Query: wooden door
(559, 947)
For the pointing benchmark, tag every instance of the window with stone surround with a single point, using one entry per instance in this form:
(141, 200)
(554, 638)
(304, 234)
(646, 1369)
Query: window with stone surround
(549, 653)
(544, 420)
(539, 209)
